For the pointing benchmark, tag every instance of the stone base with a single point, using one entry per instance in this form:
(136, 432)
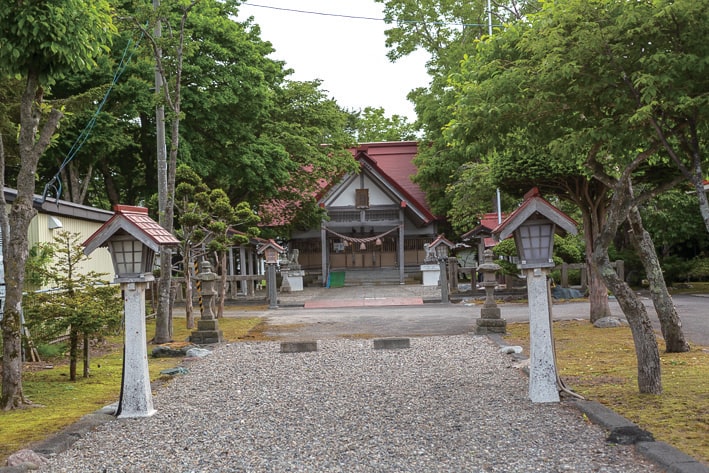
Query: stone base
(431, 274)
(207, 333)
(292, 283)
(485, 326)
(490, 313)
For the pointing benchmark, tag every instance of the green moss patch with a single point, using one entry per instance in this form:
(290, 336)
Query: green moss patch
(58, 402)
(600, 365)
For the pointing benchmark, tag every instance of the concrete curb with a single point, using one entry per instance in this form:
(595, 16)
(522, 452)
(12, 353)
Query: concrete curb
(621, 430)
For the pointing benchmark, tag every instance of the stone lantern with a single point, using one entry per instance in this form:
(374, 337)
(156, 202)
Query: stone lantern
(271, 250)
(133, 238)
(490, 320)
(533, 225)
(207, 326)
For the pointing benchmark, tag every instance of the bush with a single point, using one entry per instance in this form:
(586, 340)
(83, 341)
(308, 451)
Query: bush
(675, 269)
(52, 350)
(699, 269)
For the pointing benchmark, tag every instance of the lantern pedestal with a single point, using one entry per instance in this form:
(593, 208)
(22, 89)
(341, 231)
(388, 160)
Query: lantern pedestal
(443, 263)
(431, 274)
(542, 368)
(207, 333)
(136, 398)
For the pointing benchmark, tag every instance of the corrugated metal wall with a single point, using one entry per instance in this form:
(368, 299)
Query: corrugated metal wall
(40, 231)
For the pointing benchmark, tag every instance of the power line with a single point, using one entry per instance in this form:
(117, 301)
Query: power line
(55, 183)
(352, 17)
(368, 18)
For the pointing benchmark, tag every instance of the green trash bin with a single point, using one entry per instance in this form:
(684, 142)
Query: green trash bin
(336, 279)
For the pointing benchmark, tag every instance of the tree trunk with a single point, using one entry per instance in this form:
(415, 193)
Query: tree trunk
(75, 186)
(12, 396)
(597, 290)
(114, 197)
(188, 265)
(670, 322)
(163, 329)
(87, 356)
(646, 351)
(73, 353)
(14, 233)
(222, 283)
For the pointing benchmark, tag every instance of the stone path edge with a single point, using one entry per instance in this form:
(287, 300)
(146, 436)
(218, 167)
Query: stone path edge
(662, 454)
(63, 440)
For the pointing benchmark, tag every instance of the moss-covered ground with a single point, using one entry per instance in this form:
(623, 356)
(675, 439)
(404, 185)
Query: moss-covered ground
(600, 365)
(58, 402)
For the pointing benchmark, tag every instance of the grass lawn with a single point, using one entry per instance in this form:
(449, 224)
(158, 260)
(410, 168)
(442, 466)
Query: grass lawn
(600, 365)
(59, 402)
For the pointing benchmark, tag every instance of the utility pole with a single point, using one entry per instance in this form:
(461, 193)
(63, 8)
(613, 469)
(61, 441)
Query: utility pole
(160, 124)
(162, 320)
(489, 17)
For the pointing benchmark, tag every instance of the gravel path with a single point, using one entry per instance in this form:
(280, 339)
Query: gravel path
(447, 404)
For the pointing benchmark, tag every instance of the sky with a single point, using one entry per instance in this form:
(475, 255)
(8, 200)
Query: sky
(347, 54)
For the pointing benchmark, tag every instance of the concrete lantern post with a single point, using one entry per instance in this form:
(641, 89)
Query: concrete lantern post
(440, 247)
(533, 225)
(270, 251)
(133, 238)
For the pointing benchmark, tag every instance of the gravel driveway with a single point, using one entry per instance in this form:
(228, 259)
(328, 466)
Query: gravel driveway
(447, 404)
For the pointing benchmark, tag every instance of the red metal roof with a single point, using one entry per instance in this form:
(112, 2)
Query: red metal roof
(487, 223)
(392, 160)
(395, 162)
(139, 217)
(135, 221)
(534, 203)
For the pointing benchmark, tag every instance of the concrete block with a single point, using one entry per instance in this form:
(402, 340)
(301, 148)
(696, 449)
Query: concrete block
(207, 325)
(299, 347)
(391, 343)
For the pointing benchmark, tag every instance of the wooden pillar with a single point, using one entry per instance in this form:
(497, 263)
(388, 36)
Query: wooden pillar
(323, 253)
(250, 284)
(564, 275)
(453, 273)
(401, 246)
(243, 270)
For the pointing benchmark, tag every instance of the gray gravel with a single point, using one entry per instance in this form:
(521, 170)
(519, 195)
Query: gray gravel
(447, 404)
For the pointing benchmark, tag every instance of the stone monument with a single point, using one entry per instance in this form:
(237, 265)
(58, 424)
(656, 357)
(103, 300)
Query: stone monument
(430, 269)
(292, 273)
